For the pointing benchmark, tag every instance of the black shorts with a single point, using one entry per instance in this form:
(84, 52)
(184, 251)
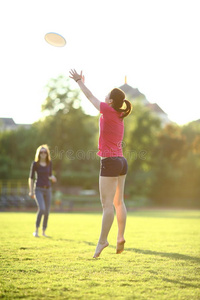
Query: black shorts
(113, 166)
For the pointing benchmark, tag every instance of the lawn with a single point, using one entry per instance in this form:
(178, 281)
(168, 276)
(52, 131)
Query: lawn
(161, 258)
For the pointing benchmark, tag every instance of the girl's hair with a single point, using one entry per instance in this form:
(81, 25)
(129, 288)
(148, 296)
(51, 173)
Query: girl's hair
(37, 154)
(118, 97)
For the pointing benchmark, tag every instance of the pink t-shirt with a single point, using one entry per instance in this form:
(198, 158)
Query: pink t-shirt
(111, 134)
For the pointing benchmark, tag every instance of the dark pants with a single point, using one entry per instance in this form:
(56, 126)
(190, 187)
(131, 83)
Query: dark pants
(43, 200)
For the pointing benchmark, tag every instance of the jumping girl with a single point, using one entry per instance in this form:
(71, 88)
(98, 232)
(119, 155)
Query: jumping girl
(114, 166)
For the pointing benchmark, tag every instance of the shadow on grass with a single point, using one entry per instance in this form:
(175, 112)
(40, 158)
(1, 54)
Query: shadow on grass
(182, 284)
(176, 256)
(65, 240)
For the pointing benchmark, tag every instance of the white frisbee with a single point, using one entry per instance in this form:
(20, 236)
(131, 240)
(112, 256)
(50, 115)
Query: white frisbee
(55, 39)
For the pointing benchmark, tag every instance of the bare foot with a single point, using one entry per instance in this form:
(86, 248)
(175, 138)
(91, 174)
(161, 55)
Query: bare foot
(99, 249)
(120, 247)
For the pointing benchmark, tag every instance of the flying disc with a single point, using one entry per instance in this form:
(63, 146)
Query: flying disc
(55, 39)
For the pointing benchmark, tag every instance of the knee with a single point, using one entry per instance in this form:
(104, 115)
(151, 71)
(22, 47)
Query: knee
(118, 202)
(107, 205)
(42, 211)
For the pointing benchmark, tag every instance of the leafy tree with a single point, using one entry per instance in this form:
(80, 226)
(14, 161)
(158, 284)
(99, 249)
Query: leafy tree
(141, 130)
(169, 154)
(190, 167)
(191, 130)
(17, 149)
(60, 96)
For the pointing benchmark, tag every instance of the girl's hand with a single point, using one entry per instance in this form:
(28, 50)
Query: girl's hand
(80, 79)
(31, 194)
(53, 178)
(76, 76)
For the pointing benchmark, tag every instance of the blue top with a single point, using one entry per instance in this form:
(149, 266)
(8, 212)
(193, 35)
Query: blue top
(42, 174)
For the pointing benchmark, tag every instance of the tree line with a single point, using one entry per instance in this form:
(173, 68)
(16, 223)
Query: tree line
(164, 162)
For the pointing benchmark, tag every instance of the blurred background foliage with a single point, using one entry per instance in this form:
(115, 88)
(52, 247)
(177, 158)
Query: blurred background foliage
(164, 162)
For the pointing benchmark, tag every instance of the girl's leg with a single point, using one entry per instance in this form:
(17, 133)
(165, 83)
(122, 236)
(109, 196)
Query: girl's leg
(120, 212)
(107, 187)
(47, 200)
(41, 208)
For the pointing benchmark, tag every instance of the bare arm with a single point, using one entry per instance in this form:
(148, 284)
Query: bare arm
(31, 184)
(80, 80)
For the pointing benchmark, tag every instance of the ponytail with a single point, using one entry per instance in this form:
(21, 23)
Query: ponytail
(118, 97)
(127, 110)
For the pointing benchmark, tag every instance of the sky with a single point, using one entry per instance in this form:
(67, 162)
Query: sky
(154, 43)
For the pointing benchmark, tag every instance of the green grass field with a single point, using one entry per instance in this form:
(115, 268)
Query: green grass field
(161, 258)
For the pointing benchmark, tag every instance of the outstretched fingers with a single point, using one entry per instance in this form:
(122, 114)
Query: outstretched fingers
(75, 75)
(72, 72)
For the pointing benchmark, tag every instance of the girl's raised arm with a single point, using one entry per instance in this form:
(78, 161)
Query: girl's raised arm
(79, 78)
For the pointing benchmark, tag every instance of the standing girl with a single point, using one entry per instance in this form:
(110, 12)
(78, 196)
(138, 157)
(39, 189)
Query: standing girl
(114, 166)
(41, 189)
